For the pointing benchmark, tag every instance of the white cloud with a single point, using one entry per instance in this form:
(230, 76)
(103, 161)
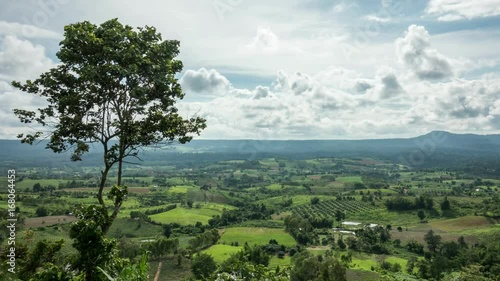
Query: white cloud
(415, 51)
(204, 81)
(320, 91)
(26, 30)
(21, 59)
(377, 18)
(265, 41)
(453, 10)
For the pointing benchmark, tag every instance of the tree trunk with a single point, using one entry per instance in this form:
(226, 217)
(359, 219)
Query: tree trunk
(104, 175)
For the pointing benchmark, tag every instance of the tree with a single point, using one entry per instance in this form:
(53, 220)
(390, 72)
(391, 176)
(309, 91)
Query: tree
(341, 244)
(445, 204)
(203, 266)
(306, 266)
(314, 200)
(42, 212)
(37, 187)
(167, 230)
(339, 216)
(421, 215)
(433, 240)
(116, 87)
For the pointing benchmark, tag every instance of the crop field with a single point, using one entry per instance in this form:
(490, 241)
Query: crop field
(297, 199)
(328, 208)
(48, 221)
(185, 216)
(134, 228)
(256, 235)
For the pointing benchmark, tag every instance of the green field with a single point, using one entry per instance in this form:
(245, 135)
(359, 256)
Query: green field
(349, 179)
(256, 235)
(179, 189)
(222, 252)
(275, 261)
(185, 216)
(366, 261)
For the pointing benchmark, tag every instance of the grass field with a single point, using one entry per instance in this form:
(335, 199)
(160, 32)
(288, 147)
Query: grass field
(133, 228)
(222, 252)
(463, 223)
(275, 261)
(186, 216)
(48, 220)
(179, 189)
(349, 179)
(366, 261)
(256, 235)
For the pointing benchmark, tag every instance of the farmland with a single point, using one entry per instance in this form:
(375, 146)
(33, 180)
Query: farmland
(282, 206)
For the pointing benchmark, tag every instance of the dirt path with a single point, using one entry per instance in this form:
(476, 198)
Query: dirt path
(158, 272)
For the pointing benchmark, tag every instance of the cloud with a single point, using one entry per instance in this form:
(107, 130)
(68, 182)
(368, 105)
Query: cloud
(362, 86)
(265, 41)
(262, 92)
(377, 19)
(204, 81)
(415, 51)
(27, 31)
(386, 86)
(20, 59)
(453, 10)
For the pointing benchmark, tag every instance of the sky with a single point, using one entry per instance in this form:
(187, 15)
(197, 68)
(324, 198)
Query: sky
(290, 69)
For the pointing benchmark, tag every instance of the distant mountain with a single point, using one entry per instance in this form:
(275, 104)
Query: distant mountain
(435, 146)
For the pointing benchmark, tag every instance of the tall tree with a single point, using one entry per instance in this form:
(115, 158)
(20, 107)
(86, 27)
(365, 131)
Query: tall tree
(115, 86)
(433, 241)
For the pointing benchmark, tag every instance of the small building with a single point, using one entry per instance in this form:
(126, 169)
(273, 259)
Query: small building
(351, 224)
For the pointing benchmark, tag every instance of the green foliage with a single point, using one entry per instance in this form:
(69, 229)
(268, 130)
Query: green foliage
(314, 200)
(203, 266)
(421, 215)
(162, 247)
(51, 272)
(309, 267)
(94, 249)
(204, 240)
(300, 229)
(433, 241)
(42, 212)
(256, 255)
(246, 271)
(131, 272)
(445, 204)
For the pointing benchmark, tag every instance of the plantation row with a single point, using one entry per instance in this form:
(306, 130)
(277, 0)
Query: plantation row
(328, 208)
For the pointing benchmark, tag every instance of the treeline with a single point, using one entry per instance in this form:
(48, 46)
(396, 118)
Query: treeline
(162, 247)
(370, 240)
(456, 259)
(301, 229)
(204, 240)
(139, 214)
(244, 213)
(401, 203)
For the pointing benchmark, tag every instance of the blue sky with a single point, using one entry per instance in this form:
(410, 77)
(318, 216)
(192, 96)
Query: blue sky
(290, 69)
